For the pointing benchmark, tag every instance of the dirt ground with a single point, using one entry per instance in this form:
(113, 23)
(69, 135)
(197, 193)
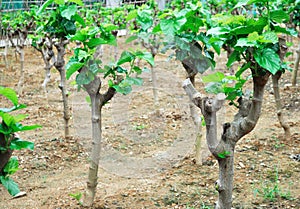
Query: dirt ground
(147, 154)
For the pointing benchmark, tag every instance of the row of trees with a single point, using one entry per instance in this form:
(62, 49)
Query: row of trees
(249, 31)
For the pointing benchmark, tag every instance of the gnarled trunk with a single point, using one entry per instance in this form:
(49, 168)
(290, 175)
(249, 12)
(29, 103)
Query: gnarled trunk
(4, 155)
(283, 123)
(222, 147)
(295, 72)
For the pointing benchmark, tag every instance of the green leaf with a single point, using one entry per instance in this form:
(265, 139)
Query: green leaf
(123, 89)
(242, 69)
(279, 16)
(244, 42)
(10, 94)
(72, 68)
(94, 42)
(82, 55)
(136, 81)
(78, 37)
(11, 166)
(216, 31)
(269, 37)
(10, 185)
(147, 56)
(145, 19)
(69, 12)
(215, 77)
(214, 88)
(289, 31)
(79, 2)
(18, 144)
(223, 154)
(125, 57)
(268, 59)
(19, 127)
(235, 56)
(18, 107)
(131, 15)
(8, 119)
(131, 38)
(59, 2)
(84, 78)
(171, 26)
(79, 19)
(110, 27)
(44, 6)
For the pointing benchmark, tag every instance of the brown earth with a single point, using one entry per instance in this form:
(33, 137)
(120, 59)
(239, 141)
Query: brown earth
(147, 157)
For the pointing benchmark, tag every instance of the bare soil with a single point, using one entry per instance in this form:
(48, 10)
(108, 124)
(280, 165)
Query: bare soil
(147, 157)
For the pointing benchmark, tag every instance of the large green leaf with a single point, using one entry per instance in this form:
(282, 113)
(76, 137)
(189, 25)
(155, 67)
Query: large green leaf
(145, 19)
(11, 166)
(244, 42)
(94, 42)
(216, 31)
(126, 56)
(7, 119)
(147, 56)
(84, 77)
(10, 185)
(69, 12)
(279, 16)
(234, 56)
(131, 15)
(131, 38)
(72, 68)
(171, 26)
(268, 59)
(44, 6)
(214, 77)
(136, 81)
(17, 144)
(10, 94)
(269, 37)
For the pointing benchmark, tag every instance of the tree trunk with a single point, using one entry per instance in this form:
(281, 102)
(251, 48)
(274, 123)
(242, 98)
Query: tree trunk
(295, 72)
(225, 183)
(5, 53)
(96, 148)
(98, 100)
(223, 147)
(21, 79)
(4, 155)
(284, 125)
(198, 128)
(60, 66)
(154, 85)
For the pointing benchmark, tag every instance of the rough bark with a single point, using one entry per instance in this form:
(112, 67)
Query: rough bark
(45, 47)
(295, 72)
(60, 66)
(191, 74)
(283, 123)
(275, 81)
(198, 127)
(19, 48)
(5, 53)
(222, 147)
(4, 155)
